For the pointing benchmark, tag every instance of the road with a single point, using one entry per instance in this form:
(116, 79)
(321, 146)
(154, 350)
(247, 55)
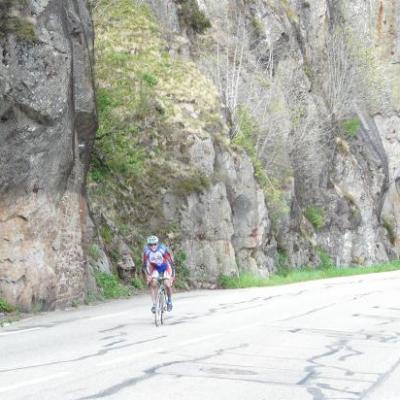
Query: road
(319, 340)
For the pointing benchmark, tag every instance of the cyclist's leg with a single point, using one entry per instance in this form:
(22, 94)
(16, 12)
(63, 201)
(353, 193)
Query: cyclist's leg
(153, 290)
(153, 285)
(168, 288)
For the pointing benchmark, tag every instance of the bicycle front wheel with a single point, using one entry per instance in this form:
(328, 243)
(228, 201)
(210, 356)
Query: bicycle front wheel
(160, 307)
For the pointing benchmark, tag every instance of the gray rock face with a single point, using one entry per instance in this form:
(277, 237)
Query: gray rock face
(311, 79)
(47, 114)
(225, 228)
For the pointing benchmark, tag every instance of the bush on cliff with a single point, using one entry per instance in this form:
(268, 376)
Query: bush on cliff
(6, 307)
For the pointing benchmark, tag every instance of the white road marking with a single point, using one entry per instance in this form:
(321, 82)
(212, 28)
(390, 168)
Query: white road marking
(19, 331)
(32, 382)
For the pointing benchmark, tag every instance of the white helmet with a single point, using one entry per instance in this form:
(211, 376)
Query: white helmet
(152, 240)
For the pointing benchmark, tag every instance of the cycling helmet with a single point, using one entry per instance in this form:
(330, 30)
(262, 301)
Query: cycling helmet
(152, 240)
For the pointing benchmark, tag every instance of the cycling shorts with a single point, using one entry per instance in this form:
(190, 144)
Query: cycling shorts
(155, 274)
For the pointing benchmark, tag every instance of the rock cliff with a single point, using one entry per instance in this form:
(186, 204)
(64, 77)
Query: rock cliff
(247, 133)
(47, 127)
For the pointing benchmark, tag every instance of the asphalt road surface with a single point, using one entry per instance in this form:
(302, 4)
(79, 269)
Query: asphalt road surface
(320, 340)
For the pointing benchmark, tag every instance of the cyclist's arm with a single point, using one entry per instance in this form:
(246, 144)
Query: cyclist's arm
(145, 267)
(171, 262)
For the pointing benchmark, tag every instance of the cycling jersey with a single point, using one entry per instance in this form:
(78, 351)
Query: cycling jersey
(160, 259)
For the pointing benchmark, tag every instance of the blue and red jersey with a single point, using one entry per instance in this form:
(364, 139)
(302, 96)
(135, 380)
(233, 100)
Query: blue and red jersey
(155, 258)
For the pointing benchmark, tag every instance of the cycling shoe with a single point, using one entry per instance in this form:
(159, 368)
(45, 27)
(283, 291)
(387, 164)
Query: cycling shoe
(169, 305)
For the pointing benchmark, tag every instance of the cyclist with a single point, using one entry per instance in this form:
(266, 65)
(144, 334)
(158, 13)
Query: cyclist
(158, 259)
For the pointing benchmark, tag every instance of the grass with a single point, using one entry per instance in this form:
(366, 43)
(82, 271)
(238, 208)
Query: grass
(110, 286)
(246, 280)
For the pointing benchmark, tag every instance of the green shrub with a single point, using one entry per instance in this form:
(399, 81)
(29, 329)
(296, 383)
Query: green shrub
(181, 270)
(94, 251)
(12, 23)
(137, 283)
(316, 216)
(282, 263)
(199, 22)
(110, 286)
(6, 307)
(196, 183)
(150, 79)
(104, 100)
(390, 229)
(97, 175)
(351, 126)
(257, 25)
(326, 261)
(246, 140)
(193, 17)
(106, 234)
(38, 306)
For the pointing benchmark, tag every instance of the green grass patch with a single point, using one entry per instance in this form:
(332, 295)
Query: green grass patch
(246, 280)
(110, 286)
(351, 126)
(6, 307)
(316, 216)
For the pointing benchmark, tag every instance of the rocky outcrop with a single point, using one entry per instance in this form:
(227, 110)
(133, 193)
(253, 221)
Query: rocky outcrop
(47, 127)
(326, 112)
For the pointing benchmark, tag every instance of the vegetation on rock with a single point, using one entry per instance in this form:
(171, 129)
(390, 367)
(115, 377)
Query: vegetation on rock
(6, 307)
(192, 16)
(12, 21)
(303, 274)
(150, 107)
(351, 126)
(316, 216)
(110, 286)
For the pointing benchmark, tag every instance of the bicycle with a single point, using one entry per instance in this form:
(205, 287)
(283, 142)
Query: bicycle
(161, 301)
